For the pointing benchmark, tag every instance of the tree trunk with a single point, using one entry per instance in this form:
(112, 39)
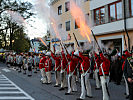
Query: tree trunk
(5, 39)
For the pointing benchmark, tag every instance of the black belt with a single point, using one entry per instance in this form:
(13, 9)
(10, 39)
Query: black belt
(105, 75)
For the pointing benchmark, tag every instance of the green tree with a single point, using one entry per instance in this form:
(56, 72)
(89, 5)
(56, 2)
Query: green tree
(21, 42)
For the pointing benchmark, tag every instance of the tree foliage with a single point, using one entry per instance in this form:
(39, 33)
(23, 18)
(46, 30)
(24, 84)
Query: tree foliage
(21, 41)
(8, 28)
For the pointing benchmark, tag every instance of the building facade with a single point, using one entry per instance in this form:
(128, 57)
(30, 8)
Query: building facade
(111, 19)
(66, 22)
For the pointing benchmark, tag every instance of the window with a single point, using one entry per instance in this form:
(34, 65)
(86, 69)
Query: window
(67, 6)
(131, 7)
(99, 15)
(60, 10)
(68, 26)
(60, 26)
(115, 11)
(77, 23)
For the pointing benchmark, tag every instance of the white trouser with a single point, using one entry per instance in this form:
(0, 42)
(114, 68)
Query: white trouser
(77, 76)
(48, 75)
(127, 88)
(72, 83)
(43, 74)
(57, 77)
(85, 86)
(63, 80)
(104, 90)
(97, 79)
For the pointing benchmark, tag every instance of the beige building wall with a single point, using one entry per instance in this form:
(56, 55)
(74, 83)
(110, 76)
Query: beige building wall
(66, 16)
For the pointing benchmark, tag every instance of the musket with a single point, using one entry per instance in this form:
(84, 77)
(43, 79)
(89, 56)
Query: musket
(76, 40)
(96, 40)
(64, 47)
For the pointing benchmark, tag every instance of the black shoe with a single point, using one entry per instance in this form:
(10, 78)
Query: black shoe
(66, 87)
(67, 93)
(29, 75)
(47, 83)
(89, 96)
(79, 99)
(35, 71)
(61, 89)
(127, 97)
(97, 88)
(56, 86)
(24, 73)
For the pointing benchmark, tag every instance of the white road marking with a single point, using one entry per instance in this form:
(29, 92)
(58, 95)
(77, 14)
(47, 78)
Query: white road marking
(6, 85)
(14, 98)
(7, 92)
(4, 81)
(6, 70)
(11, 97)
(9, 88)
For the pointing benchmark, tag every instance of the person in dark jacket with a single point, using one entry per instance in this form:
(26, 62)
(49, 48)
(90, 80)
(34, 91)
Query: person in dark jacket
(128, 72)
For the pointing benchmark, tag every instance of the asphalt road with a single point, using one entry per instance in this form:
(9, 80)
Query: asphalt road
(20, 86)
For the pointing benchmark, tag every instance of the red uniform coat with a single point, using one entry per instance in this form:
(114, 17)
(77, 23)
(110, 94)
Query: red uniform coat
(85, 63)
(72, 65)
(57, 62)
(97, 62)
(42, 62)
(48, 64)
(124, 58)
(105, 65)
(64, 61)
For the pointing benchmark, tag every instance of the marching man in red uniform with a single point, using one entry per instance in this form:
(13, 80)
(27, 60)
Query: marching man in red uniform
(64, 64)
(85, 83)
(104, 75)
(96, 71)
(57, 67)
(42, 69)
(71, 71)
(48, 68)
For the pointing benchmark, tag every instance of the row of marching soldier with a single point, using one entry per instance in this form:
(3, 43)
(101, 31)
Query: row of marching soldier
(68, 67)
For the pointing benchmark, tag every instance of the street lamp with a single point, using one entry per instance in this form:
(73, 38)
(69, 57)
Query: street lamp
(13, 41)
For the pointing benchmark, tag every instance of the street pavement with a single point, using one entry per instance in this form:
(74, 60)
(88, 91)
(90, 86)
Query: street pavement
(17, 86)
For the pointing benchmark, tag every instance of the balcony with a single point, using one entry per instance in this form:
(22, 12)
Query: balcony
(113, 27)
